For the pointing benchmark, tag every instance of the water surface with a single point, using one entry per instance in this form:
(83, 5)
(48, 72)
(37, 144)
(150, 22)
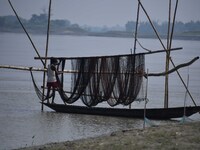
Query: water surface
(23, 123)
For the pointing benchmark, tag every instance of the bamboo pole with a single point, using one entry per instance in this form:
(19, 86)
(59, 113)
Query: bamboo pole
(152, 25)
(46, 52)
(175, 68)
(25, 31)
(169, 44)
(184, 85)
(165, 48)
(136, 28)
(145, 53)
(186, 97)
(166, 95)
(76, 71)
(169, 23)
(173, 24)
(21, 68)
(145, 102)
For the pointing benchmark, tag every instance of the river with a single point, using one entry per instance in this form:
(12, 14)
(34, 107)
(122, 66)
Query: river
(23, 124)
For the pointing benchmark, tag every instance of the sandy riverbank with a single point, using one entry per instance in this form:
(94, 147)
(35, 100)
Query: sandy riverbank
(175, 136)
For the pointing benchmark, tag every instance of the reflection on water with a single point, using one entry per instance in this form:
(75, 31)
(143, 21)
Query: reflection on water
(22, 122)
(24, 127)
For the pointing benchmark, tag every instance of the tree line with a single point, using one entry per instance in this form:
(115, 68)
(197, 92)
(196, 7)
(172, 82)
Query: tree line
(180, 27)
(38, 24)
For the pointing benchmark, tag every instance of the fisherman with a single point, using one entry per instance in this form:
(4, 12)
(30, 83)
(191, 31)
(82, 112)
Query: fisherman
(52, 82)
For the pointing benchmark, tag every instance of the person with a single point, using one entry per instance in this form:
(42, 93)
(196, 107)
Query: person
(52, 82)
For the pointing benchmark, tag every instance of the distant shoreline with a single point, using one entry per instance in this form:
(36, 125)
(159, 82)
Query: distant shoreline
(117, 34)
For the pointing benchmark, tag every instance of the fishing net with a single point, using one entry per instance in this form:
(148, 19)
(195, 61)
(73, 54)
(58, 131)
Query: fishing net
(115, 79)
(39, 91)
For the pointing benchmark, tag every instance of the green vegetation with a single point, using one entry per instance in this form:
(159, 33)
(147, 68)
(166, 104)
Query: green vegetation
(38, 24)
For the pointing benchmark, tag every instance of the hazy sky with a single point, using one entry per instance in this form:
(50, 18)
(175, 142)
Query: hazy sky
(102, 12)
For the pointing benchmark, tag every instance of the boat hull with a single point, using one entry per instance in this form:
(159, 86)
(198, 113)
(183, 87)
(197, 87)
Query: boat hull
(151, 113)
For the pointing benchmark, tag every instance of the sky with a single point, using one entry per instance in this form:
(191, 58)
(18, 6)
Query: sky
(102, 12)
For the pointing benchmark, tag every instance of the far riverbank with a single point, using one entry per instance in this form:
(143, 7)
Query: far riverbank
(117, 34)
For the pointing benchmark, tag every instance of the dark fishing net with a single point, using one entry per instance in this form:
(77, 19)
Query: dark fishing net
(83, 69)
(116, 80)
(129, 80)
(39, 91)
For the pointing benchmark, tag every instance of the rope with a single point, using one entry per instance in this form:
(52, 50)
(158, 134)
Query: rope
(37, 89)
(143, 46)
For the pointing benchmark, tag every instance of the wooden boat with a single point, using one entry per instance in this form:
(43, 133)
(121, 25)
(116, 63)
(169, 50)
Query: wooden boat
(151, 113)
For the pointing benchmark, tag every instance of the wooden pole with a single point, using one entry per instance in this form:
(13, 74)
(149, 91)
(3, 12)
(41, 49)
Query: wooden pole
(169, 44)
(46, 53)
(166, 96)
(173, 24)
(76, 71)
(136, 27)
(175, 68)
(21, 68)
(186, 96)
(145, 102)
(145, 53)
(152, 25)
(136, 30)
(166, 49)
(25, 31)
(184, 85)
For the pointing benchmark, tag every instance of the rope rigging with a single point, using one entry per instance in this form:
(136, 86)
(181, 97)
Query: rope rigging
(38, 91)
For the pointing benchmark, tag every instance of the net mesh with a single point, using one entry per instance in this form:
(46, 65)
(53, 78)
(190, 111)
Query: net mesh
(116, 80)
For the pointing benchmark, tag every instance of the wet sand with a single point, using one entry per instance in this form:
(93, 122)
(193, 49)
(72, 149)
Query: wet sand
(174, 136)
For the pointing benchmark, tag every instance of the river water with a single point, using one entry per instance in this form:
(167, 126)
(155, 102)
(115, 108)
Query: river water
(23, 124)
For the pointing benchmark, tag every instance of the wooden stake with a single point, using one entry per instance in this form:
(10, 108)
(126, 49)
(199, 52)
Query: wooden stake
(186, 95)
(145, 105)
(166, 96)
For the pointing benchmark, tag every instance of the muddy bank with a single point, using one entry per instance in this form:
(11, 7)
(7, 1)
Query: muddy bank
(175, 136)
